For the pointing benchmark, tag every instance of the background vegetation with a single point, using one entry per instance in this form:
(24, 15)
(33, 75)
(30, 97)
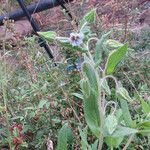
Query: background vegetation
(94, 95)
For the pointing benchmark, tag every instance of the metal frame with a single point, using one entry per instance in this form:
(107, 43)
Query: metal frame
(34, 8)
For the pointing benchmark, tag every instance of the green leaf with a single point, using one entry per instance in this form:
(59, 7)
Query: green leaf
(80, 96)
(99, 46)
(119, 115)
(56, 120)
(42, 103)
(49, 35)
(144, 125)
(65, 138)
(2, 108)
(83, 135)
(94, 146)
(24, 144)
(87, 60)
(85, 86)
(123, 93)
(85, 29)
(105, 86)
(114, 58)
(124, 131)
(90, 17)
(91, 75)
(91, 112)
(91, 93)
(113, 44)
(18, 118)
(111, 123)
(84, 143)
(145, 106)
(148, 139)
(31, 115)
(113, 141)
(29, 108)
(64, 41)
(145, 132)
(126, 114)
(16, 132)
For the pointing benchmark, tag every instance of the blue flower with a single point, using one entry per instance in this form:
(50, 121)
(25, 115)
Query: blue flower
(76, 39)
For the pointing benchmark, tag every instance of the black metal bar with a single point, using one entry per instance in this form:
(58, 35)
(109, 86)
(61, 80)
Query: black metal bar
(33, 8)
(35, 27)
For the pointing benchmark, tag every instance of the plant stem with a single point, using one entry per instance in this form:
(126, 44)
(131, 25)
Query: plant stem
(100, 142)
(6, 113)
(101, 111)
(128, 142)
(4, 92)
(148, 139)
(90, 56)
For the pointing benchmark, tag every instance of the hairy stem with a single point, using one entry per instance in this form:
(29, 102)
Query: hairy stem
(100, 142)
(128, 142)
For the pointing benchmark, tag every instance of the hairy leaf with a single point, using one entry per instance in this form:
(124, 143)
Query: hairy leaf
(91, 112)
(80, 96)
(49, 35)
(124, 94)
(42, 103)
(145, 106)
(105, 86)
(111, 123)
(113, 141)
(126, 114)
(124, 131)
(86, 89)
(90, 73)
(90, 17)
(99, 46)
(110, 43)
(114, 58)
(94, 146)
(65, 138)
(144, 125)
(83, 135)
